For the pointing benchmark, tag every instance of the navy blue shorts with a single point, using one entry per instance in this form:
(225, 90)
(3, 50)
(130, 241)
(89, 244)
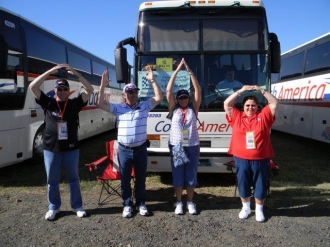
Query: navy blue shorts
(252, 174)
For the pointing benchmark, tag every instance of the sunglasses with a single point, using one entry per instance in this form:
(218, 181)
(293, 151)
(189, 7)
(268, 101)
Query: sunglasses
(250, 105)
(62, 89)
(131, 92)
(184, 97)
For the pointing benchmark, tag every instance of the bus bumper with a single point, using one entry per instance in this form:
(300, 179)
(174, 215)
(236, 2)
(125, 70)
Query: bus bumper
(209, 162)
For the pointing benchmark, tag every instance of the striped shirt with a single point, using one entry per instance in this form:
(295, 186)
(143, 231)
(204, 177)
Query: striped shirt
(132, 122)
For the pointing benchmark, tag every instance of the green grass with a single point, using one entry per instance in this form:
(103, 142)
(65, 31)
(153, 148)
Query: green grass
(304, 174)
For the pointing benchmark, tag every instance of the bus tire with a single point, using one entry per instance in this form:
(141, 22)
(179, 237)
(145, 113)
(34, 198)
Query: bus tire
(38, 153)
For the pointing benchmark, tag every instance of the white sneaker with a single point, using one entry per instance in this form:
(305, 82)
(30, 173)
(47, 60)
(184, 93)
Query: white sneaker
(80, 212)
(178, 208)
(260, 217)
(244, 213)
(191, 208)
(127, 212)
(142, 210)
(50, 215)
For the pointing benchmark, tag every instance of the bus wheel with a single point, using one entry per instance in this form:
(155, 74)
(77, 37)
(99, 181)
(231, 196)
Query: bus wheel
(37, 144)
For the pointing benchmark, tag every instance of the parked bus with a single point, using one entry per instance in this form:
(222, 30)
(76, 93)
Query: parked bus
(26, 51)
(303, 90)
(211, 35)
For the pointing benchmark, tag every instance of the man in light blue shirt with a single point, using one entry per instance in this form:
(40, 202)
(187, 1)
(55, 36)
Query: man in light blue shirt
(132, 137)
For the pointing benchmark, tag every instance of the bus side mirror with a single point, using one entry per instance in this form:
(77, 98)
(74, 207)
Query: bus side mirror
(121, 65)
(3, 55)
(275, 53)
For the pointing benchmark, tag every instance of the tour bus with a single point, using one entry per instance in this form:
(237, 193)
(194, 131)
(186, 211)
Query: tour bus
(26, 51)
(211, 36)
(303, 90)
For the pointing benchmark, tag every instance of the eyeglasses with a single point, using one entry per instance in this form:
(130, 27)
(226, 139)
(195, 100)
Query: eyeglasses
(230, 74)
(250, 105)
(131, 92)
(184, 97)
(62, 89)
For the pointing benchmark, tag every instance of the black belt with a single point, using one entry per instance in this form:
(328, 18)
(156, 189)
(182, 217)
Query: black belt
(131, 148)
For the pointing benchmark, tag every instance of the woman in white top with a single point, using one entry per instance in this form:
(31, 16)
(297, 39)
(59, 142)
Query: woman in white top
(184, 131)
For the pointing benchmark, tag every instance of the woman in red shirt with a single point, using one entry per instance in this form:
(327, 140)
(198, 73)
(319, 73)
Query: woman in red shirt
(251, 146)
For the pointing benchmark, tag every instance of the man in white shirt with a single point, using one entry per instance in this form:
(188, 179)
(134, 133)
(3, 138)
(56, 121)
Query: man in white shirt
(229, 85)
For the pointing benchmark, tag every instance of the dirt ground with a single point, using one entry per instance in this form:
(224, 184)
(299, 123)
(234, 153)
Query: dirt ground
(296, 216)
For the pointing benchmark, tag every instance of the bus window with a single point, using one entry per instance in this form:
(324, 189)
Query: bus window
(113, 80)
(11, 33)
(292, 66)
(274, 77)
(240, 34)
(97, 72)
(12, 90)
(318, 58)
(51, 50)
(167, 35)
(80, 63)
(3, 55)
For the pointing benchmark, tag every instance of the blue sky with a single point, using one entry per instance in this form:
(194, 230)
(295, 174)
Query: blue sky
(97, 26)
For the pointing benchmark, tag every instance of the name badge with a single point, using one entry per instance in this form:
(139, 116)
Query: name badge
(250, 140)
(185, 137)
(62, 130)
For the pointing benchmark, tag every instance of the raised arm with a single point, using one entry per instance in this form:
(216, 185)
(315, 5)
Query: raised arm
(158, 92)
(196, 100)
(169, 89)
(272, 101)
(37, 82)
(101, 103)
(88, 88)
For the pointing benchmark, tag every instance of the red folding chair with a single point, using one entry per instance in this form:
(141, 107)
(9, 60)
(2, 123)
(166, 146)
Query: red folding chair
(110, 176)
(274, 170)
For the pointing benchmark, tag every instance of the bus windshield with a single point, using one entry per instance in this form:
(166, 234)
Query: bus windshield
(214, 43)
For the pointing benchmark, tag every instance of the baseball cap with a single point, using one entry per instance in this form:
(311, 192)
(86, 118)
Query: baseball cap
(181, 93)
(130, 87)
(62, 83)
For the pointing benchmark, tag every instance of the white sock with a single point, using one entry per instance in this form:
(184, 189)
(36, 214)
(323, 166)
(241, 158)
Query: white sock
(259, 207)
(246, 205)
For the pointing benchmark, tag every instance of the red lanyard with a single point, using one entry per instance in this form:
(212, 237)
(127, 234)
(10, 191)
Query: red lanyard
(184, 113)
(61, 114)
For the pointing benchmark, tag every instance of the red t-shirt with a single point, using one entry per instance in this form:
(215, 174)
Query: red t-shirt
(260, 124)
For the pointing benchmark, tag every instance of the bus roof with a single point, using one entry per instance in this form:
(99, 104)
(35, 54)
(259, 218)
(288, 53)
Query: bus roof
(207, 3)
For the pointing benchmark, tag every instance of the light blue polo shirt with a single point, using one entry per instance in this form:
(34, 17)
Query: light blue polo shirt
(132, 122)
